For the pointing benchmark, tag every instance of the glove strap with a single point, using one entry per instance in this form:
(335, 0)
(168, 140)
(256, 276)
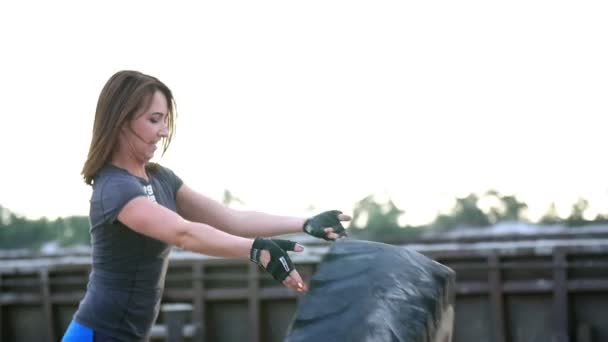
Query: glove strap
(254, 255)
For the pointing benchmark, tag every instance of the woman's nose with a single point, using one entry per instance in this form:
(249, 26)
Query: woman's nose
(164, 132)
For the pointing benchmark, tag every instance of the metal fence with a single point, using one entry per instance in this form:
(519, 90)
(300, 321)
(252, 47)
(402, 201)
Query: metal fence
(532, 288)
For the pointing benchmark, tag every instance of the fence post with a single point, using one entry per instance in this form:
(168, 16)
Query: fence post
(560, 296)
(254, 303)
(1, 308)
(496, 297)
(175, 316)
(45, 291)
(198, 315)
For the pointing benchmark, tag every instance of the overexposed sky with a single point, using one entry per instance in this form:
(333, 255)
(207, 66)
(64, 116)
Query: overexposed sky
(292, 104)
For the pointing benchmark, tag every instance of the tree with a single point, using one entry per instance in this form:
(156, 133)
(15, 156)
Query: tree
(577, 214)
(507, 208)
(550, 216)
(74, 230)
(465, 213)
(17, 232)
(376, 221)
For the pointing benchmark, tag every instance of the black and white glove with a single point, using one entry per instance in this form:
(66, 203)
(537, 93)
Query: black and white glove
(316, 225)
(280, 265)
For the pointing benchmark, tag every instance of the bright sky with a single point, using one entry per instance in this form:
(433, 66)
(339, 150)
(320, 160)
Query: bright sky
(291, 104)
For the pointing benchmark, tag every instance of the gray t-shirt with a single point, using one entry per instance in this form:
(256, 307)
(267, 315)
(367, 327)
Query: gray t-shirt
(128, 269)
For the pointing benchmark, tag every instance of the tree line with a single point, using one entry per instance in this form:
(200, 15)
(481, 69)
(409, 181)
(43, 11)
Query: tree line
(18, 232)
(372, 220)
(381, 220)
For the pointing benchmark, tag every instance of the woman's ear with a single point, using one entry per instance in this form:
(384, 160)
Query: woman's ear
(124, 128)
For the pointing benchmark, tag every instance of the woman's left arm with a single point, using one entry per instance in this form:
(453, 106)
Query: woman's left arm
(196, 207)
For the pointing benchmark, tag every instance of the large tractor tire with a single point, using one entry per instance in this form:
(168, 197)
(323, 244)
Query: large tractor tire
(369, 291)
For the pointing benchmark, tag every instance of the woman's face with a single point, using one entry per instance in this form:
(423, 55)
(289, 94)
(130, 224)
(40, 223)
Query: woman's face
(140, 135)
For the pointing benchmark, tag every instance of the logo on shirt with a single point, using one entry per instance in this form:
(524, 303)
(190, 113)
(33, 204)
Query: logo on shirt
(149, 192)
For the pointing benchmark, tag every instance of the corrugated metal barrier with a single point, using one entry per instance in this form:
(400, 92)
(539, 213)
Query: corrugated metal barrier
(541, 287)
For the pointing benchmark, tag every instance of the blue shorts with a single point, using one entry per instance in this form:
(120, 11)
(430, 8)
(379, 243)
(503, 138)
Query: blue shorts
(77, 332)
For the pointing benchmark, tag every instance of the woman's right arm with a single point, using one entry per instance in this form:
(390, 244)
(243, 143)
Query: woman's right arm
(153, 220)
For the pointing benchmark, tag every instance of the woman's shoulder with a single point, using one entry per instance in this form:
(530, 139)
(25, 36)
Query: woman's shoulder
(165, 175)
(111, 174)
(159, 170)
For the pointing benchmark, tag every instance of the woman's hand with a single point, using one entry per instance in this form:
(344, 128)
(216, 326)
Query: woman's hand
(327, 225)
(271, 255)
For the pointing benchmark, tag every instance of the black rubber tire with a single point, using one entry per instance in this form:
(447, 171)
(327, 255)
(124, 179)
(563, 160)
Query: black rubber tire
(369, 291)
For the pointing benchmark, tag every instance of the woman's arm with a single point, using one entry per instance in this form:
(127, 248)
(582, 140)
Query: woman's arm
(156, 221)
(199, 208)
(153, 220)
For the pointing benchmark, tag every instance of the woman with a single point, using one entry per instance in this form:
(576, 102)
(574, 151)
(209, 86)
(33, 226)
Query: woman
(138, 210)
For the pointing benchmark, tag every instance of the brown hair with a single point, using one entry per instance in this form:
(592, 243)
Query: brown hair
(123, 95)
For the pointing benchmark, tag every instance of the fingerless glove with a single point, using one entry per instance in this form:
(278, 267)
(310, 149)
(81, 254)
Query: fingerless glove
(316, 225)
(280, 265)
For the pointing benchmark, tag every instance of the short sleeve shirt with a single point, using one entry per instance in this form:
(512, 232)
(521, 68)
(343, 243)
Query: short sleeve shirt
(128, 268)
